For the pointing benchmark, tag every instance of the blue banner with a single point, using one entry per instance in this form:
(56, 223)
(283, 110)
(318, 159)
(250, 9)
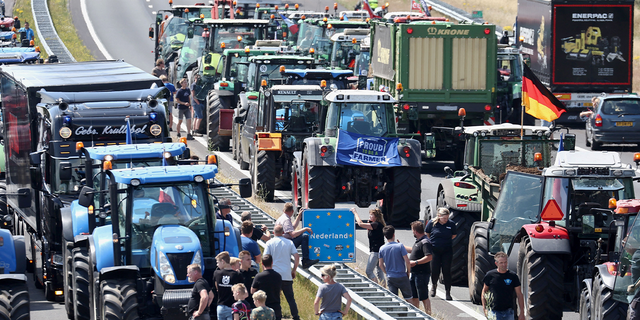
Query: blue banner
(333, 238)
(356, 149)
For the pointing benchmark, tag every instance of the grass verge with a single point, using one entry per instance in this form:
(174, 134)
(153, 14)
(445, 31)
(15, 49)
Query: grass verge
(22, 10)
(61, 16)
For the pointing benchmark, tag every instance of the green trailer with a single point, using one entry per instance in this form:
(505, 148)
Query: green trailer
(435, 69)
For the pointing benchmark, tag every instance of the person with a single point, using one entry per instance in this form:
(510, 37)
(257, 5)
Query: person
(184, 108)
(248, 272)
(249, 244)
(261, 311)
(299, 237)
(395, 263)
(305, 44)
(419, 259)
(269, 281)
(281, 249)
(201, 295)
(240, 309)
(595, 101)
(158, 70)
(225, 278)
(376, 240)
(441, 231)
(501, 284)
(28, 31)
(235, 263)
(172, 91)
(259, 233)
(331, 292)
(225, 208)
(505, 38)
(198, 106)
(16, 22)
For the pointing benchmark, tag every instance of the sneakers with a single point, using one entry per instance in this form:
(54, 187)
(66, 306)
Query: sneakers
(306, 263)
(189, 137)
(433, 291)
(179, 135)
(195, 134)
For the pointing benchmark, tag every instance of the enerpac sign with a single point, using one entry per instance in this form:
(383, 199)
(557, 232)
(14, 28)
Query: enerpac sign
(592, 17)
(356, 149)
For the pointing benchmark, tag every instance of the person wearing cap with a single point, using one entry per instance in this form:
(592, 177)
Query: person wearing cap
(223, 213)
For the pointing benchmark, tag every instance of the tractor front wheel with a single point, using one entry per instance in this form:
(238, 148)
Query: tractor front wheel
(264, 174)
(319, 185)
(118, 299)
(214, 105)
(404, 199)
(81, 283)
(14, 301)
(603, 306)
(460, 244)
(479, 261)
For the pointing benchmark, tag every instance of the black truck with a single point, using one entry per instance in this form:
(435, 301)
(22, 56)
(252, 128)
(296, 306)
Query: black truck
(579, 49)
(46, 110)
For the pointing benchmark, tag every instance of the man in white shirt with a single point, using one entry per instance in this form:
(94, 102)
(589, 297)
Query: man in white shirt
(299, 237)
(281, 249)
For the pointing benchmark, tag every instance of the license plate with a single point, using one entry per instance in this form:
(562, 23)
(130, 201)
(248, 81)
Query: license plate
(624, 124)
(572, 118)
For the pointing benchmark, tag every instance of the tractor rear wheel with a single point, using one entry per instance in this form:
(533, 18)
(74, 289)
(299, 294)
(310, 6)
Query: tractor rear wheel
(14, 301)
(264, 175)
(404, 198)
(118, 299)
(214, 105)
(81, 283)
(585, 305)
(319, 185)
(479, 261)
(460, 244)
(603, 306)
(542, 279)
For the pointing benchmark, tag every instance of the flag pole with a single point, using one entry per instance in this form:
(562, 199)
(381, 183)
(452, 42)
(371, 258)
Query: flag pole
(522, 120)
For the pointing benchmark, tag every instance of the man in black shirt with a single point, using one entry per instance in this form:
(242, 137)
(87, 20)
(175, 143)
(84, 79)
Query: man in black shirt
(201, 296)
(248, 273)
(269, 281)
(259, 233)
(501, 284)
(420, 258)
(225, 278)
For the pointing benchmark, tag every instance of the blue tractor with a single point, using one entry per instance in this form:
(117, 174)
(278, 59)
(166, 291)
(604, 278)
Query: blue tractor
(14, 295)
(160, 220)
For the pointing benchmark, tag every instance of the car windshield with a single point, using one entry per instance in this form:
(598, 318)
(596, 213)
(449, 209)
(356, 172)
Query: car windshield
(71, 186)
(361, 118)
(619, 107)
(296, 116)
(234, 37)
(183, 204)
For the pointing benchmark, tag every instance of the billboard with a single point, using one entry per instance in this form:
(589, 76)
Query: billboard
(534, 28)
(592, 44)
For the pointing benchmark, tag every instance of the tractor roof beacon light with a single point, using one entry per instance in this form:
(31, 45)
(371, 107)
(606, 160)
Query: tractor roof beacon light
(223, 45)
(212, 159)
(79, 145)
(613, 203)
(184, 140)
(263, 82)
(399, 87)
(636, 157)
(462, 112)
(282, 68)
(297, 6)
(323, 83)
(106, 165)
(286, 6)
(326, 9)
(537, 156)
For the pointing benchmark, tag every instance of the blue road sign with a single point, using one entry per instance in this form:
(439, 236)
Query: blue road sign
(333, 238)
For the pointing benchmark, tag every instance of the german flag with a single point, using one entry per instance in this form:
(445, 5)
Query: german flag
(537, 100)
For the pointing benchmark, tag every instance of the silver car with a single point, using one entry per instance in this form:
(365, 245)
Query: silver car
(615, 120)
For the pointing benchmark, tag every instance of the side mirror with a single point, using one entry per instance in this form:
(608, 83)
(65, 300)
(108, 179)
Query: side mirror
(448, 171)
(151, 33)
(36, 178)
(85, 198)
(569, 141)
(237, 120)
(24, 198)
(245, 187)
(190, 32)
(35, 159)
(65, 171)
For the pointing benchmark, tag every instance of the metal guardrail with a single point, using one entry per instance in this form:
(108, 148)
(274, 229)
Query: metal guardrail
(458, 14)
(369, 300)
(47, 32)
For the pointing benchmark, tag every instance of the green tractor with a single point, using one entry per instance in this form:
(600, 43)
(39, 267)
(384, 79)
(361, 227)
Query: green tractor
(356, 156)
(346, 48)
(316, 34)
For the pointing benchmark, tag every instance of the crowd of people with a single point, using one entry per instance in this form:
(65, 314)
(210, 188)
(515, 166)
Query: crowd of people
(183, 100)
(242, 291)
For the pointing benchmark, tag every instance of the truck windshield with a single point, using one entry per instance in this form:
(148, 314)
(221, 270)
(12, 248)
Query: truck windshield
(237, 37)
(361, 118)
(296, 116)
(344, 54)
(68, 187)
(183, 204)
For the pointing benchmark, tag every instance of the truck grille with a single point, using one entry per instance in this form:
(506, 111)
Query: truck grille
(179, 262)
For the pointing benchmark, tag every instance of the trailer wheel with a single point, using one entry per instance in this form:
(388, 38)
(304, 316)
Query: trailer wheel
(216, 142)
(14, 301)
(296, 190)
(264, 173)
(460, 246)
(404, 200)
(68, 280)
(585, 305)
(479, 260)
(542, 278)
(319, 185)
(603, 305)
(81, 282)
(119, 300)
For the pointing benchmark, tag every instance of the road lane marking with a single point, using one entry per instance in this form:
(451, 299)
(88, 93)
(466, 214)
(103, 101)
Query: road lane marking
(92, 31)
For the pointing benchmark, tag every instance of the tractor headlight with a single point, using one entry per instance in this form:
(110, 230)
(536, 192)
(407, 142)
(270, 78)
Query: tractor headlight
(135, 182)
(57, 259)
(197, 258)
(166, 272)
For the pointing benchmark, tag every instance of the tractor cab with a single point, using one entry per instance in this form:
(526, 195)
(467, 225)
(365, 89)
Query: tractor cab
(624, 266)
(361, 112)
(346, 48)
